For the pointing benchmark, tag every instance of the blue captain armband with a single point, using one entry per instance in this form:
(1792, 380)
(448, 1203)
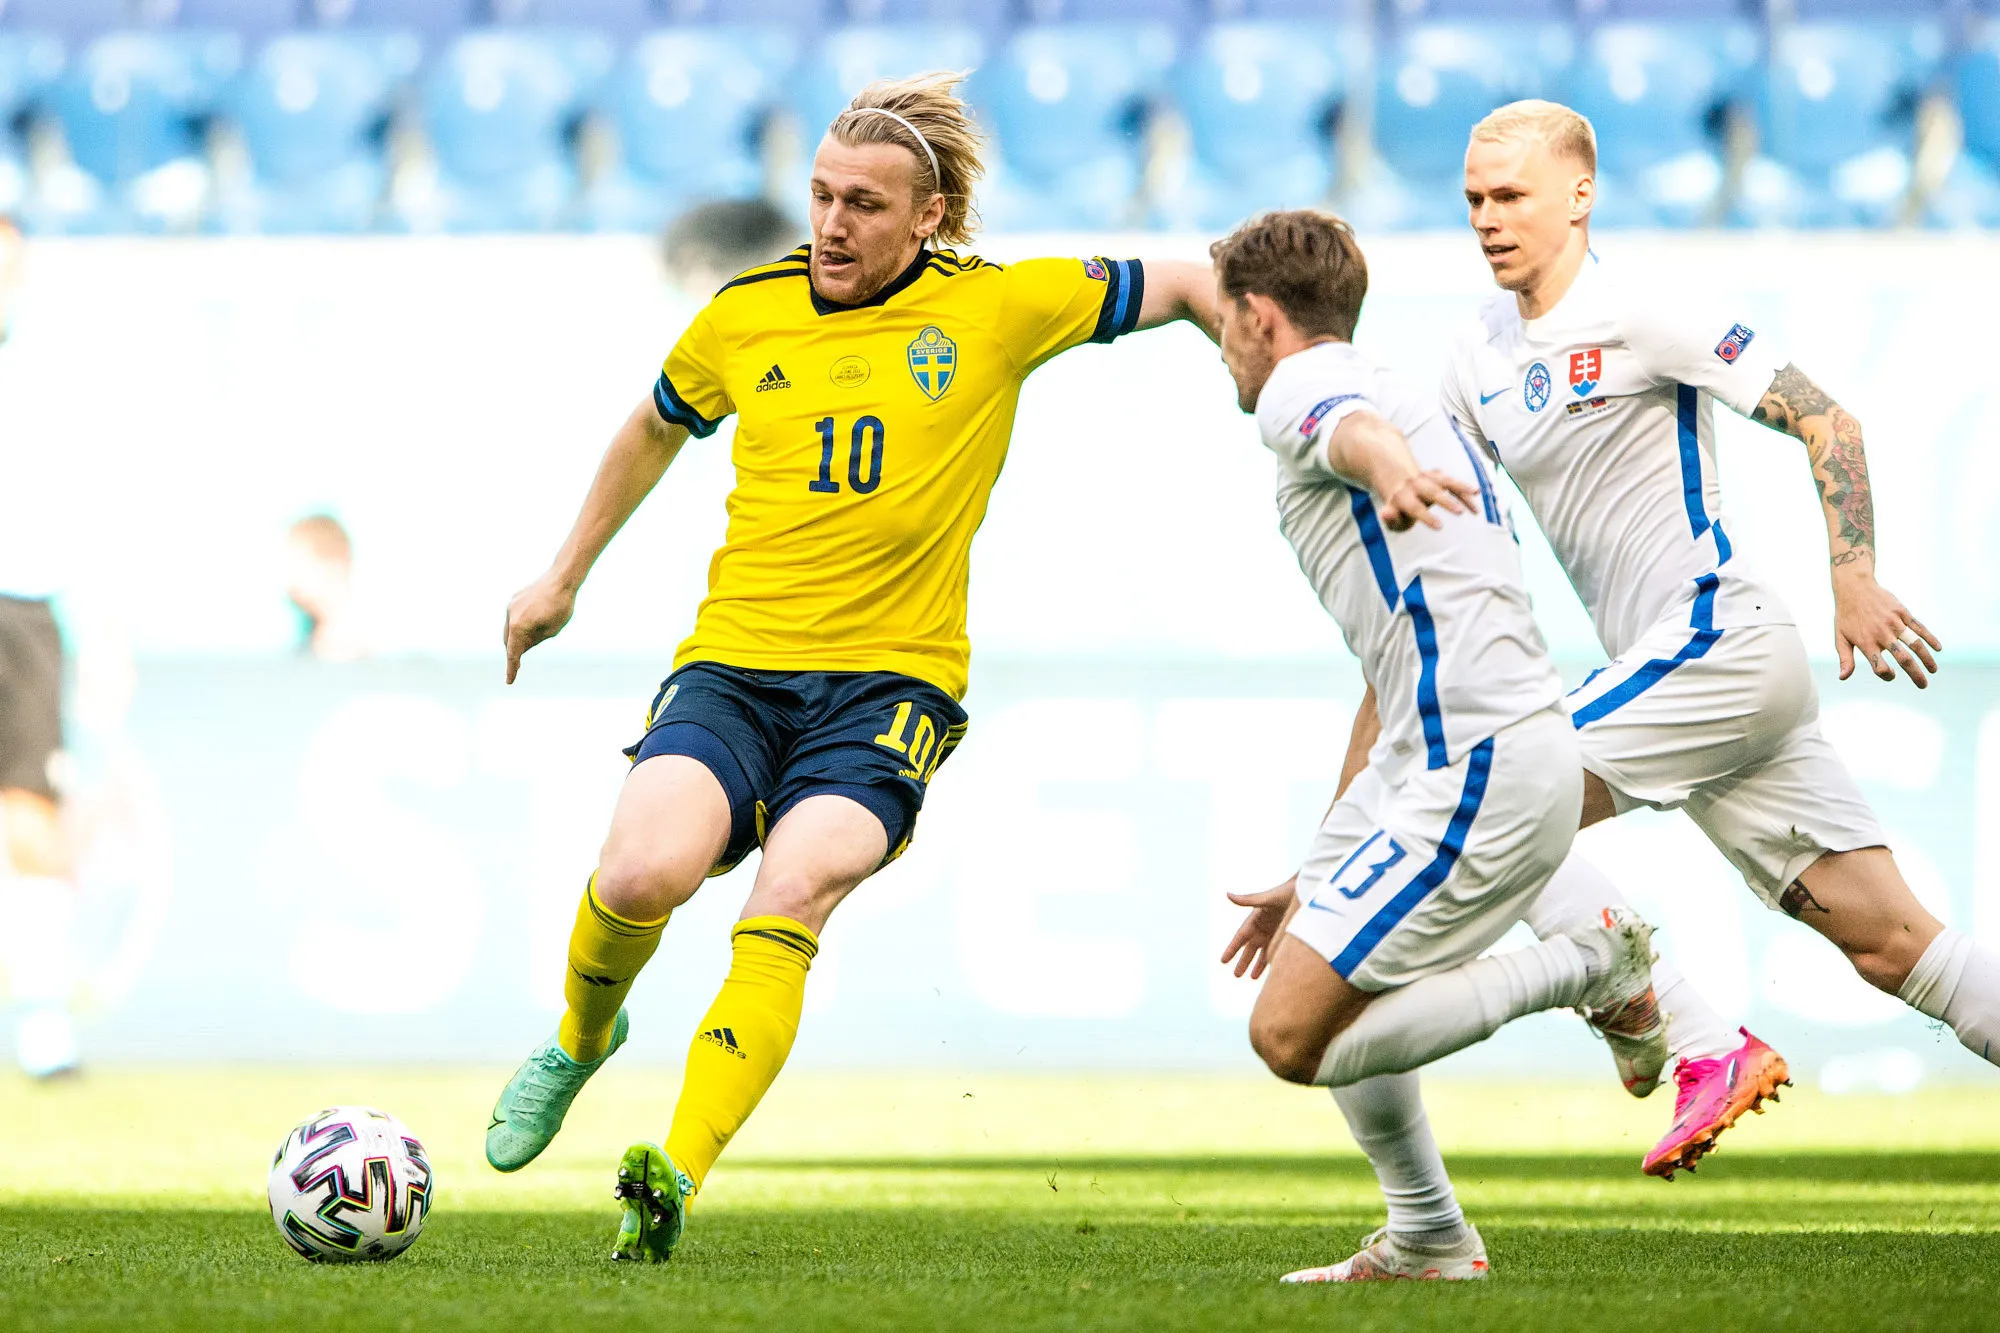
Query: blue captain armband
(1124, 290)
(674, 408)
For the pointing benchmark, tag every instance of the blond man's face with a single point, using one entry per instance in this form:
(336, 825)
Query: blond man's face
(1522, 200)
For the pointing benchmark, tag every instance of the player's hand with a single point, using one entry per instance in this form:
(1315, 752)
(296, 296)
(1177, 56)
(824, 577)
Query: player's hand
(537, 612)
(1870, 621)
(1250, 946)
(1412, 501)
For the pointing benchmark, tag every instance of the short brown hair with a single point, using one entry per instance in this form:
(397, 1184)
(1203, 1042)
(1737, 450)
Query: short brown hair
(1305, 260)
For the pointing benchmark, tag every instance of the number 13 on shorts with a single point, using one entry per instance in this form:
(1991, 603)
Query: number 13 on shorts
(1364, 868)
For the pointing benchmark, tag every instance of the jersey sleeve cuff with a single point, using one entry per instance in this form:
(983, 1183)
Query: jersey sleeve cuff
(672, 407)
(1124, 290)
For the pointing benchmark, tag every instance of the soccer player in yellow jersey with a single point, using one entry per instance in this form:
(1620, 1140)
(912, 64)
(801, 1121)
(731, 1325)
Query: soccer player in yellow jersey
(874, 378)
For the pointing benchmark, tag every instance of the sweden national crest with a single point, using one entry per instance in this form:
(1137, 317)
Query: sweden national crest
(933, 362)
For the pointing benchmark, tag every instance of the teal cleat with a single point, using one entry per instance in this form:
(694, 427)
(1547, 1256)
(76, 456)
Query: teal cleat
(655, 1193)
(531, 1108)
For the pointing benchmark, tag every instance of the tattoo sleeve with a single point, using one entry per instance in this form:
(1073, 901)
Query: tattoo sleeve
(1798, 407)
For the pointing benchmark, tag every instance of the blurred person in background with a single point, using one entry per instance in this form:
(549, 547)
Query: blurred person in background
(713, 242)
(38, 905)
(319, 580)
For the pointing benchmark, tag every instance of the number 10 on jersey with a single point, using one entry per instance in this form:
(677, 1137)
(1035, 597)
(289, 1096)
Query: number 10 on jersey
(864, 446)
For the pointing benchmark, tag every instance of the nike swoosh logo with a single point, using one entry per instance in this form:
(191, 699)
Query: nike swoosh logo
(1486, 398)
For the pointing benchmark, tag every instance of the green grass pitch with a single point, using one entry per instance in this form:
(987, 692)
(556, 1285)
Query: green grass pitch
(133, 1200)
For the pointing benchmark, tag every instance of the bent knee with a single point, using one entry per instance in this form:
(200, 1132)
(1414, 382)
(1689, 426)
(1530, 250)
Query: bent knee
(1292, 1054)
(1885, 969)
(642, 885)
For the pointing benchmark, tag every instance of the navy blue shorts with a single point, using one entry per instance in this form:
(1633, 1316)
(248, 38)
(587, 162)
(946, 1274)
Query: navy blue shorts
(773, 738)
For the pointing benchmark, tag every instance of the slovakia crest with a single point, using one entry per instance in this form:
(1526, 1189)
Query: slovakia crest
(1586, 368)
(933, 362)
(1535, 388)
(1733, 343)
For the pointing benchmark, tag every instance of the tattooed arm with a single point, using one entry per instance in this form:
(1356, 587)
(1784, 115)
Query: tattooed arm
(1867, 616)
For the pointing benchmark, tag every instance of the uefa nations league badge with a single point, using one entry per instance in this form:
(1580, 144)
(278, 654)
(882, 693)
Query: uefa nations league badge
(1535, 388)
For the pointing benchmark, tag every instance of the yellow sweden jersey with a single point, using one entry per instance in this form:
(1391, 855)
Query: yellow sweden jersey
(868, 438)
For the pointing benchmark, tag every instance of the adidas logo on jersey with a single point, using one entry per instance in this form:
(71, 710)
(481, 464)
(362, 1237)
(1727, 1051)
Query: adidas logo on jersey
(726, 1039)
(774, 378)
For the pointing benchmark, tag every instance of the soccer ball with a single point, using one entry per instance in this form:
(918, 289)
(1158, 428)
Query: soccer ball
(350, 1185)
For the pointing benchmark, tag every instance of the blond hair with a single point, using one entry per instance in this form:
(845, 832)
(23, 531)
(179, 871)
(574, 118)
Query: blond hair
(1558, 128)
(930, 104)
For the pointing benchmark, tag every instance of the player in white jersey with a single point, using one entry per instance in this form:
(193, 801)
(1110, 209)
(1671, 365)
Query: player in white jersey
(1471, 792)
(1597, 394)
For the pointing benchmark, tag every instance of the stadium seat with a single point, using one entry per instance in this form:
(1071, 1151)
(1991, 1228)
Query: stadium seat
(1067, 103)
(253, 20)
(29, 63)
(687, 106)
(1653, 91)
(1177, 14)
(1969, 196)
(1433, 82)
(1403, 11)
(798, 16)
(1259, 100)
(851, 57)
(76, 21)
(131, 106)
(621, 18)
(1838, 123)
(985, 15)
(498, 106)
(313, 108)
(1613, 11)
(436, 21)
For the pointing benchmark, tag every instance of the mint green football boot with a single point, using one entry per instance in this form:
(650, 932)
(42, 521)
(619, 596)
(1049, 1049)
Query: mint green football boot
(654, 1193)
(531, 1108)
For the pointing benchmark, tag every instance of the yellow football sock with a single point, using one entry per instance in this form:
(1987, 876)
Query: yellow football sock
(606, 952)
(743, 1039)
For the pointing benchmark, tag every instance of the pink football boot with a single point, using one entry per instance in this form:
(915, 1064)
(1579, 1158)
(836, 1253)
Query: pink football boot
(1714, 1094)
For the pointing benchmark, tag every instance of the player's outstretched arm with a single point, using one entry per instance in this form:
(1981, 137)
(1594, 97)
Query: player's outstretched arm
(632, 466)
(1867, 617)
(1179, 289)
(1367, 448)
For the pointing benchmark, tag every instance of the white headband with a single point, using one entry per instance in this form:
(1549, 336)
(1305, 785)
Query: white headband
(936, 175)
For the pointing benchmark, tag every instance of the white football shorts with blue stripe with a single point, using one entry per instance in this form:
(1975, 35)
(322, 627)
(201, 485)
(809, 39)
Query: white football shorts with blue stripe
(1415, 874)
(1724, 723)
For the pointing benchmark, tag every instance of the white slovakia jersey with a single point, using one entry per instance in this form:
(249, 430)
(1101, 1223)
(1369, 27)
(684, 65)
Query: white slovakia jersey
(1439, 619)
(1603, 413)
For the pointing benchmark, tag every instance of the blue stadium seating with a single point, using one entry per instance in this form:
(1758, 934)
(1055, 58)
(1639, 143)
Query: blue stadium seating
(619, 18)
(1970, 194)
(1067, 103)
(1838, 103)
(687, 105)
(1433, 82)
(850, 57)
(1553, 11)
(131, 106)
(1612, 11)
(1653, 91)
(254, 20)
(499, 107)
(29, 63)
(1259, 100)
(437, 21)
(800, 16)
(76, 21)
(985, 15)
(1176, 14)
(312, 108)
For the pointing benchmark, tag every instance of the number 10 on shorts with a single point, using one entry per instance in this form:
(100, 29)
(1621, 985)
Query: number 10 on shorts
(921, 746)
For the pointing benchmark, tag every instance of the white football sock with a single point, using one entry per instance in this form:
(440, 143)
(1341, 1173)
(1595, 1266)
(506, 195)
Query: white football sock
(1410, 1026)
(1958, 983)
(1386, 1117)
(1576, 894)
(40, 918)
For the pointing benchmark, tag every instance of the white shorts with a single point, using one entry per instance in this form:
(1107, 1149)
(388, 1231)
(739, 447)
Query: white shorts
(1414, 876)
(1725, 723)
